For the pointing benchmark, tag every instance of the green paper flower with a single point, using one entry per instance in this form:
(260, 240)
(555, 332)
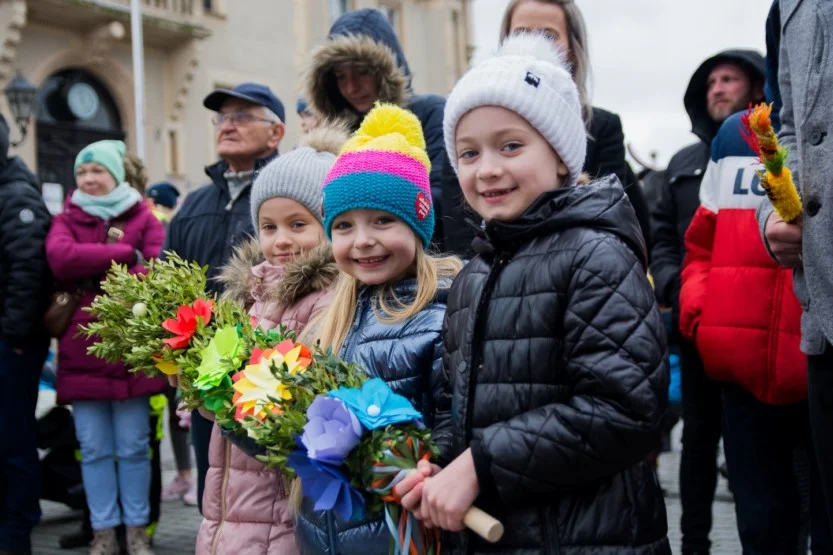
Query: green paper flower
(223, 347)
(215, 400)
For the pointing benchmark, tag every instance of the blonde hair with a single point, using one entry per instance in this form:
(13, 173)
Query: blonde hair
(333, 324)
(134, 172)
(579, 48)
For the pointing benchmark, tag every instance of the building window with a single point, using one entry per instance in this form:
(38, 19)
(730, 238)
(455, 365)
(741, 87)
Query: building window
(174, 157)
(392, 9)
(339, 8)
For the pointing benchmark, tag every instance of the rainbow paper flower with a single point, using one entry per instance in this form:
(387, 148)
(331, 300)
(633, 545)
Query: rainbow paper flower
(185, 324)
(257, 387)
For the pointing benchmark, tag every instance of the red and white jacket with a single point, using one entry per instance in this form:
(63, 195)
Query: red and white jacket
(735, 302)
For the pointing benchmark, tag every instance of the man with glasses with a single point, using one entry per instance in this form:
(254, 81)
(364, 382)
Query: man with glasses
(214, 219)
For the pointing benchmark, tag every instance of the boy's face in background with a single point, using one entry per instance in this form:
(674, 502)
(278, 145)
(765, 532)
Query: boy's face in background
(504, 164)
(373, 246)
(287, 229)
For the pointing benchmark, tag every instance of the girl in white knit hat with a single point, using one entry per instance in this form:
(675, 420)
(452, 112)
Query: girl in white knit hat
(555, 349)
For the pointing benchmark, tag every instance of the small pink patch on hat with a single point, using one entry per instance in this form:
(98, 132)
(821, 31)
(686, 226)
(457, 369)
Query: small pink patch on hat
(423, 206)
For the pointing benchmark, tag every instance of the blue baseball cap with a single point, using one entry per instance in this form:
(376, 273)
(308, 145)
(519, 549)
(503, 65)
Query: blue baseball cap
(251, 92)
(164, 193)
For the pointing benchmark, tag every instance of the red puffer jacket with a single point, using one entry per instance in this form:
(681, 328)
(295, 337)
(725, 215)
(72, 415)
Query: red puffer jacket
(735, 302)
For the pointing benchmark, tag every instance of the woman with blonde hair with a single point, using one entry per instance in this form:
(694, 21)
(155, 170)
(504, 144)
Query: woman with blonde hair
(563, 22)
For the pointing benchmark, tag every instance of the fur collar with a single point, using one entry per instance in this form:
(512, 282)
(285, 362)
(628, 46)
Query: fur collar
(366, 53)
(316, 271)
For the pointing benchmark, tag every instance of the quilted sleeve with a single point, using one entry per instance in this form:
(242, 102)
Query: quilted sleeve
(24, 222)
(614, 363)
(441, 430)
(699, 240)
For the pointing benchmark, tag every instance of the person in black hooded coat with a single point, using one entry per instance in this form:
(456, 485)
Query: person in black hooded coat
(24, 289)
(366, 41)
(678, 197)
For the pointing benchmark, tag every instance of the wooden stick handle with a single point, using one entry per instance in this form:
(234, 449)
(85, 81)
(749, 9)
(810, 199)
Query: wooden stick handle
(483, 524)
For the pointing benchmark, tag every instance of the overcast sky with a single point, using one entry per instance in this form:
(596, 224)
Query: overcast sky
(643, 53)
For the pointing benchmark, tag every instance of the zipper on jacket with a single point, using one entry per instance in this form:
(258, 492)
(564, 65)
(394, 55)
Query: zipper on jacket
(551, 545)
(477, 337)
(331, 533)
(223, 488)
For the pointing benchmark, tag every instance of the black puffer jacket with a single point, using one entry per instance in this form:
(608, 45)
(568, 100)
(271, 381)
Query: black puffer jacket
(210, 224)
(24, 273)
(556, 356)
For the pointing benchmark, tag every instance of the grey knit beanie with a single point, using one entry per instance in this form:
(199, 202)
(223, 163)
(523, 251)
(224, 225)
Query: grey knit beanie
(298, 174)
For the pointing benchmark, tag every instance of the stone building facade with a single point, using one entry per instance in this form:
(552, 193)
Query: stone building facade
(78, 53)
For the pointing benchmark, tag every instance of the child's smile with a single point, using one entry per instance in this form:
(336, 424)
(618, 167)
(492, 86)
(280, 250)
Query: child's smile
(373, 246)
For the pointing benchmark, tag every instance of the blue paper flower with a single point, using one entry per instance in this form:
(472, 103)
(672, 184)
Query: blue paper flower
(327, 486)
(376, 405)
(331, 432)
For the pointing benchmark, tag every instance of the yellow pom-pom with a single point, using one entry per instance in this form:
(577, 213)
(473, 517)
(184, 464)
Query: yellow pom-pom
(385, 119)
(389, 128)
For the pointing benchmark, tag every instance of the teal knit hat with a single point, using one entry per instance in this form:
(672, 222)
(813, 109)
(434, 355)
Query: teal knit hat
(109, 154)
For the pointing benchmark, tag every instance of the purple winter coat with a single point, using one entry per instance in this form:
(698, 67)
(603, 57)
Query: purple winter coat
(77, 251)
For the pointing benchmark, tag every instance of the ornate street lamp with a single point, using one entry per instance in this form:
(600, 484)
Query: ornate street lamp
(20, 95)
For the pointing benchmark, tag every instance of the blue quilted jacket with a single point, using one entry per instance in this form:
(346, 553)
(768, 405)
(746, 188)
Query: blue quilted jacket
(408, 356)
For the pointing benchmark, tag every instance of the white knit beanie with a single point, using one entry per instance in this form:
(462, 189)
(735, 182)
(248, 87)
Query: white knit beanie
(528, 75)
(298, 174)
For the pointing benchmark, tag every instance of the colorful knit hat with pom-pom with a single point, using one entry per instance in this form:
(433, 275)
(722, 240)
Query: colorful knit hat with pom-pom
(383, 166)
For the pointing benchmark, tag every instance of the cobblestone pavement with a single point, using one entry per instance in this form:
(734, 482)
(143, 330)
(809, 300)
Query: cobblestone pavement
(179, 524)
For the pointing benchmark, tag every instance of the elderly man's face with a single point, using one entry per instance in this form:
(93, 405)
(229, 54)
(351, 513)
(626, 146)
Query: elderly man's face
(357, 86)
(729, 90)
(245, 133)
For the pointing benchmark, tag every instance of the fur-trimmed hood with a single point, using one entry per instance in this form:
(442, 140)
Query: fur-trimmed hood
(365, 38)
(316, 271)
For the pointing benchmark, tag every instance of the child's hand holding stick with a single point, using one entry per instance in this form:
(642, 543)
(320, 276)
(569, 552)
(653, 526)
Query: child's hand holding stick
(452, 492)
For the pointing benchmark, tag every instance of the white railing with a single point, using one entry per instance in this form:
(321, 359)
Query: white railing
(176, 10)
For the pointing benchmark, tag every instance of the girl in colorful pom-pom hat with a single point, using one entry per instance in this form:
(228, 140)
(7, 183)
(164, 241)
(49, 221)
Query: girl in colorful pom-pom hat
(390, 298)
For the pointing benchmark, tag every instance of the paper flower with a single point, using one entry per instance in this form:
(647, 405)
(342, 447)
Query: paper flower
(185, 324)
(776, 179)
(167, 368)
(327, 486)
(256, 385)
(376, 405)
(214, 364)
(332, 430)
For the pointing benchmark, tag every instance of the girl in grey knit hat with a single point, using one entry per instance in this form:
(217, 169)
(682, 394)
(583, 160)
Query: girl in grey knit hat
(284, 277)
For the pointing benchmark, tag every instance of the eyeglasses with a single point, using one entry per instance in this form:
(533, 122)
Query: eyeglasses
(236, 118)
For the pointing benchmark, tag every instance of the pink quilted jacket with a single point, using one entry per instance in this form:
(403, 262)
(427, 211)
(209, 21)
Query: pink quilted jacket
(245, 506)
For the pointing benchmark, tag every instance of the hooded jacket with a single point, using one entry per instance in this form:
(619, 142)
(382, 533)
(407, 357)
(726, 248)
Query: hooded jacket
(555, 352)
(408, 356)
(24, 272)
(736, 303)
(678, 195)
(364, 37)
(245, 506)
(210, 224)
